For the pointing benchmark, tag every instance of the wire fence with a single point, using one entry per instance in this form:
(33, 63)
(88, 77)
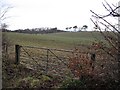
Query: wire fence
(56, 61)
(44, 60)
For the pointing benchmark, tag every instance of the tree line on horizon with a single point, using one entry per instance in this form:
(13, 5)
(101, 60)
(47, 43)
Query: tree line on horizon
(36, 30)
(43, 30)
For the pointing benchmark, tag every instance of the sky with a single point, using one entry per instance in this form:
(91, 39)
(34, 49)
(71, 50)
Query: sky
(52, 13)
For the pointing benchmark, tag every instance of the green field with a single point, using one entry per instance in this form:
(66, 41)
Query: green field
(66, 40)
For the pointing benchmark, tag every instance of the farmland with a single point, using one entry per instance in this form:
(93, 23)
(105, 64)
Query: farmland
(65, 40)
(34, 61)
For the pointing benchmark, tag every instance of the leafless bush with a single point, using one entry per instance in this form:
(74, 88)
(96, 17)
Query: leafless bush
(109, 30)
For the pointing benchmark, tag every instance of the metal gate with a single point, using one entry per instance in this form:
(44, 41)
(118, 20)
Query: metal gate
(44, 60)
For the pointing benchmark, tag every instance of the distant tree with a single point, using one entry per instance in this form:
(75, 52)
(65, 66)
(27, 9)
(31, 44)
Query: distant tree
(66, 28)
(84, 27)
(70, 27)
(75, 27)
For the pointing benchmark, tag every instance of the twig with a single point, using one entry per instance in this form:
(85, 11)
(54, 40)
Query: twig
(105, 7)
(97, 16)
(104, 35)
(109, 28)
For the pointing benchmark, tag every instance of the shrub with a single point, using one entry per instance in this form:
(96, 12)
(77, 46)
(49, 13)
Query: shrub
(89, 83)
(81, 64)
(73, 83)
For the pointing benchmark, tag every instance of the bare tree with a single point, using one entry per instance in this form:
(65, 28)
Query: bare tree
(4, 8)
(112, 32)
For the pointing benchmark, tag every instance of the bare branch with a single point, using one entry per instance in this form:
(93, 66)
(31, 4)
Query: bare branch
(111, 38)
(111, 25)
(105, 21)
(4, 10)
(95, 23)
(108, 5)
(114, 5)
(105, 37)
(109, 53)
(108, 28)
(3, 13)
(105, 7)
(109, 41)
(112, 12)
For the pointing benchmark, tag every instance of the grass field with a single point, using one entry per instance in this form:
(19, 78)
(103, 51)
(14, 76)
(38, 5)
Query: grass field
(65, 40)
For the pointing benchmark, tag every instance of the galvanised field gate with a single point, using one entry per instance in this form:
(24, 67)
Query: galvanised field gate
(44, 60)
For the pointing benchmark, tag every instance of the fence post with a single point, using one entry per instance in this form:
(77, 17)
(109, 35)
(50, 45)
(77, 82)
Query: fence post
(17, 54)
(47, 60)
(93, 58)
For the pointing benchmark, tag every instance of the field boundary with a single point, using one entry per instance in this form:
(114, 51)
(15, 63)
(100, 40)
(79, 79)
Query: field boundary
(46, 59)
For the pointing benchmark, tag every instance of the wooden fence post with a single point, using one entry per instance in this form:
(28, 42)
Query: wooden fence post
(17, 54)
(93, 58)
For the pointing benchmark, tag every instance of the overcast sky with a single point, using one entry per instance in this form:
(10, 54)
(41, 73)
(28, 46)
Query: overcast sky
(52, 13)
